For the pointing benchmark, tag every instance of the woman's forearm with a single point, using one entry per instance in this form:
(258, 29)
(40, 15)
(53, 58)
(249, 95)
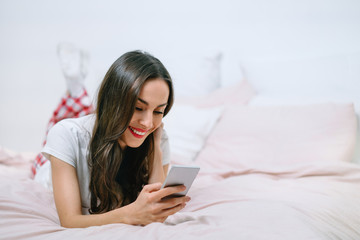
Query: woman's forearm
(149, 207)
(120, 215)
(158, 172)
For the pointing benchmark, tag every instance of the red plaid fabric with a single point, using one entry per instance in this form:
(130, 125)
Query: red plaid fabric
(69, 107)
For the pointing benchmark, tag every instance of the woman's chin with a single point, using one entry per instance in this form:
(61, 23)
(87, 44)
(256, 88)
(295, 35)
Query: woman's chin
(132, 140)
(135, 143)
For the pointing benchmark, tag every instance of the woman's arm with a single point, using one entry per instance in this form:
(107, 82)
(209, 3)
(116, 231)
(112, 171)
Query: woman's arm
(68, 200)
(148, 207)
(159, 171)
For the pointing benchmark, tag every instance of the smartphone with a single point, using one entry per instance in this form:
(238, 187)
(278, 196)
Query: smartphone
(181, 175)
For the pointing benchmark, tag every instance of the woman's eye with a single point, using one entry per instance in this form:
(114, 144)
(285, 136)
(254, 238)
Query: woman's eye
(138, 109)
(158, 112)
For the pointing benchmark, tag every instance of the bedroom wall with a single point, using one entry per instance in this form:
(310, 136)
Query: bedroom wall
(249, 32)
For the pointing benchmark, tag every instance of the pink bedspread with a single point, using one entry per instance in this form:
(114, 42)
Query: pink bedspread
(317, 201)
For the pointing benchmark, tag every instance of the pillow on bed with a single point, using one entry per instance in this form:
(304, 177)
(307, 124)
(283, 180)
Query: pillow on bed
(276, 135)
(188, 127)
(240, 93)
(287, 99)
(232, 70)
(192, 119)
(198, 75)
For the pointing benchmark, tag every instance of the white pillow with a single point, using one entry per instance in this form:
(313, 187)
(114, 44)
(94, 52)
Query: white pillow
(232, 71)
(197, 75)
(188, 128)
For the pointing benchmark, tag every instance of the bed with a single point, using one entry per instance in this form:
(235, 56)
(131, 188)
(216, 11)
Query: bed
(267, 172)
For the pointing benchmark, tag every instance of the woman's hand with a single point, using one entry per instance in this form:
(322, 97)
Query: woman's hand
(159, 171)
(157, 135)
(151, 207)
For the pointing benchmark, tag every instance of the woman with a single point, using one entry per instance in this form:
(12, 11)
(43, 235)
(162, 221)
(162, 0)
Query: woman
(111, 164)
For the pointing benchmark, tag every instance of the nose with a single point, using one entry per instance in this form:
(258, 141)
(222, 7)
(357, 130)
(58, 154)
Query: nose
(146, 120)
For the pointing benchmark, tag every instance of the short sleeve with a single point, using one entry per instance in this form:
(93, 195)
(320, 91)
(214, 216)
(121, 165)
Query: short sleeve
(60, 143)
(165, 147)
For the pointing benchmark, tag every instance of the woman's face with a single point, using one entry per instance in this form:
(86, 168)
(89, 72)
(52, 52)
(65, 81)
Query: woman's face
(148, 114)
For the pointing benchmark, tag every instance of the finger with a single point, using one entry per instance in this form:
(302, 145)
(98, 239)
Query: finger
(175, 201)
(171, 211)
(170, 190)
(160, 127)
(162, 205)
(152, 187)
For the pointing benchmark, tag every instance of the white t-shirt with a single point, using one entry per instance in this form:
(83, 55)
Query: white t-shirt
(69, 141)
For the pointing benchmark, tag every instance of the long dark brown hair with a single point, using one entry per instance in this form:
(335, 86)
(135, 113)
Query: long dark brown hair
(118, 175)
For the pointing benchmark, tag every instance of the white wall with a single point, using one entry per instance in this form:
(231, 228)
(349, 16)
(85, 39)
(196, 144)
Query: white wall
(31, 82)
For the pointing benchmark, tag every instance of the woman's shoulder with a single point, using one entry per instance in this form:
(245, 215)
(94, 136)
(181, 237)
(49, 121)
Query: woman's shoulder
(75, 128)
(84, 123)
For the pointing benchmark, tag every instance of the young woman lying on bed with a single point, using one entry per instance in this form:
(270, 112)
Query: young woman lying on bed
(112, 163)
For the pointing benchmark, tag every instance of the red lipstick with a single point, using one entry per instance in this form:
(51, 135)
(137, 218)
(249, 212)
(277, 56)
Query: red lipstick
(137, 132)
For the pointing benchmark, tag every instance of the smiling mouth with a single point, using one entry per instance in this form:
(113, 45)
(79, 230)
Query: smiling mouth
(137, 132)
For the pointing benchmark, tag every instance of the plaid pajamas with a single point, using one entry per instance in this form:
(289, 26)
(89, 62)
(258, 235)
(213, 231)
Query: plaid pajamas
(69, 107)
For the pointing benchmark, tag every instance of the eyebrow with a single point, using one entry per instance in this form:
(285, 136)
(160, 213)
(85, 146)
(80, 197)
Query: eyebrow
(146, 103)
